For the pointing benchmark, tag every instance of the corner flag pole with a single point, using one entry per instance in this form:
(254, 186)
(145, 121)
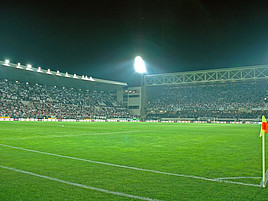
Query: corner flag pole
(263, 161)
(264, 130)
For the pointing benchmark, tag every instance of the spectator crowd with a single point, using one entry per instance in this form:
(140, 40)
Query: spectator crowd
(39, 101)
(234, 100)
(244, 99)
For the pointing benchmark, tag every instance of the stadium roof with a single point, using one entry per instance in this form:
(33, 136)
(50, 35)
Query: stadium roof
(215, 75)
(47, 76)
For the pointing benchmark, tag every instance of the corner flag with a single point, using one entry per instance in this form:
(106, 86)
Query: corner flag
(264, 126)
(264, 129)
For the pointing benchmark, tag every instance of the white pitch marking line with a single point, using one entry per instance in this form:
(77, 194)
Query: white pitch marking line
(239, 183)
(239, 178)
(129, 167)
(266, 176)
(79, 185)
(59, 136)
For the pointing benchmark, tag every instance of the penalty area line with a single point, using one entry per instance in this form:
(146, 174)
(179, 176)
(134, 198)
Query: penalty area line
(131, 168)
(79, 185)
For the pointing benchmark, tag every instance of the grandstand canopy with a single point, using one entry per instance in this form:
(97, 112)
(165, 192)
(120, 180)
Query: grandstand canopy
(29, 74)
(216, 75)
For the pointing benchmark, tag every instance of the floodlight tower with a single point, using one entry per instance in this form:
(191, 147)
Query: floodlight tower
(140, 68)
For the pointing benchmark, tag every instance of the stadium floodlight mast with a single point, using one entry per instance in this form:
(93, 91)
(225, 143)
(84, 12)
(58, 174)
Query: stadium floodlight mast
(139, 65)
(140, 68)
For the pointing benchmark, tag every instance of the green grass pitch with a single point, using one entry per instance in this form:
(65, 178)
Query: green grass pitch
(114, 161)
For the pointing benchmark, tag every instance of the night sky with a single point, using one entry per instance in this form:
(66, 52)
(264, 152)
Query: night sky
(101, 38)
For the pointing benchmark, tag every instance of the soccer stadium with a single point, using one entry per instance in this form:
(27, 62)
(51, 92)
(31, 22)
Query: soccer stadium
(122, 100)
(177, 136)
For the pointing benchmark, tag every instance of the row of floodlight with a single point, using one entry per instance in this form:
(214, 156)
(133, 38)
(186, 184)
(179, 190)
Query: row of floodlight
(48, 71)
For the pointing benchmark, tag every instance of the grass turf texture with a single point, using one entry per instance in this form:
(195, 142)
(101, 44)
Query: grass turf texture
(205, 150)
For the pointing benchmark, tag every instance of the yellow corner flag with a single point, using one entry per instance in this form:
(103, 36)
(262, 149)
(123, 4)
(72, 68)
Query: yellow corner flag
(264, 127)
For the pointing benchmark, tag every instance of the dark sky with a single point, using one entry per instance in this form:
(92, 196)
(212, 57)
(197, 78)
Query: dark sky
(100, 38)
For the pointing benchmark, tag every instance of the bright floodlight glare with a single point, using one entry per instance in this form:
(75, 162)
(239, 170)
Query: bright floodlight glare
(6, 62)
(29, 67)
(48, 71)
(139, 65)
(39, 70)
(18, 66)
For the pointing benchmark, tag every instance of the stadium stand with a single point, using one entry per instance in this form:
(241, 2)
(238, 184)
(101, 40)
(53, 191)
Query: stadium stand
(230, 100)
(233, 100)
(232, 94)
(27, 100)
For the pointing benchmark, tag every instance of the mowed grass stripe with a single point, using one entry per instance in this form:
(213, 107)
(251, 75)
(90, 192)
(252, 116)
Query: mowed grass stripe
(120, 180)
(80, 185)
(132, 168)
(70, 135)
(170, 148)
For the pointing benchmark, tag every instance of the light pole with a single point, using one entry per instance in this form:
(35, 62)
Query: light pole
(140, 68)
